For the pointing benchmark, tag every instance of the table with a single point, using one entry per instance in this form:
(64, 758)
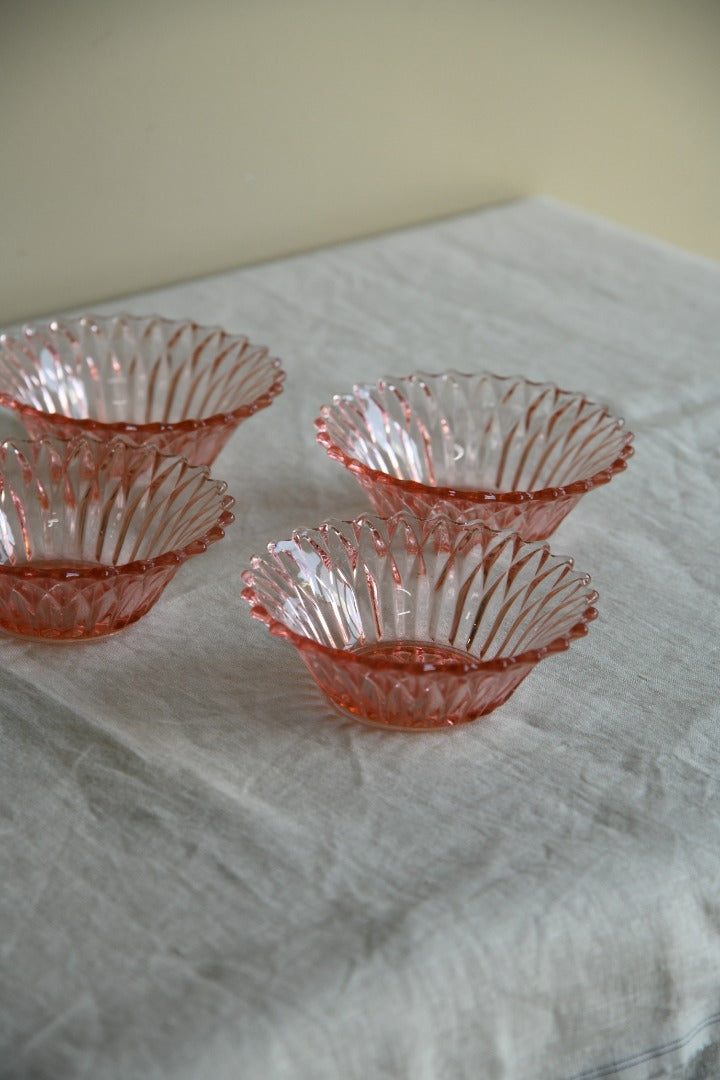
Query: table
(205, 873)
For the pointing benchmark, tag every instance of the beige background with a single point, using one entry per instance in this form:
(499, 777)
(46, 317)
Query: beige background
(146, 142)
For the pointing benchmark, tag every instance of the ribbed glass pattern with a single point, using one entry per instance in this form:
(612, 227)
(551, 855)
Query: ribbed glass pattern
(92, 532)
(510, 452)
(179, 385)
(412, 623)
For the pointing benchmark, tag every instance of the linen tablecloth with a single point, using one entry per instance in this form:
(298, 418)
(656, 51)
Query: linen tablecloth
(208, 874)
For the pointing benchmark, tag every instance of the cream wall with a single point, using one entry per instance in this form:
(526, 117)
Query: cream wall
(144, 142)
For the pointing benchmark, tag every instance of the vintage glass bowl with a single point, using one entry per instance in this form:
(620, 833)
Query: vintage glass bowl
(91, 532)
(183, 387)
(418, 624)
(510, 452)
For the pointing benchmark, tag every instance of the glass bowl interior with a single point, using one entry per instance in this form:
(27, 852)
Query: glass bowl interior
(479, 435)
(118, 374)
(94, 503)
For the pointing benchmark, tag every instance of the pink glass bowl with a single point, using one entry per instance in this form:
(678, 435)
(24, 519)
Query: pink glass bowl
(417, 624)
(510, 452)
(183, 387)
(92, 532)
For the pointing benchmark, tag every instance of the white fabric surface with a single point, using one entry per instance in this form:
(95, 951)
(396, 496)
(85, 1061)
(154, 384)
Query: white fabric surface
(204, 873)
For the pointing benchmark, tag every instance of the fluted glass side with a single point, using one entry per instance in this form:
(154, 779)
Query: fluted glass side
(410, 623)
(507, 451)
(183, 387)
(92, 532)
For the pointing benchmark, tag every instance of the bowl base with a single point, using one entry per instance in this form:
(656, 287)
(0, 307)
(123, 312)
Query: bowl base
(432, 656)
(61, 638)
(380, 725)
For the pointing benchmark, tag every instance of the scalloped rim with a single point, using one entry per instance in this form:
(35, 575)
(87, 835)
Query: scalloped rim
(577, 487)
(262, 401)
(453, 667)
(103, 571)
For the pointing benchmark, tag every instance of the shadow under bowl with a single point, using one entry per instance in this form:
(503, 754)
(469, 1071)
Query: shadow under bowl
(92, 532)
(507, 451)
(182, 387)
(416, 624)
